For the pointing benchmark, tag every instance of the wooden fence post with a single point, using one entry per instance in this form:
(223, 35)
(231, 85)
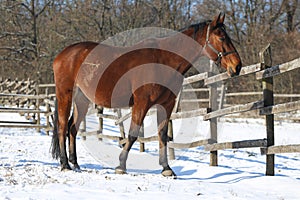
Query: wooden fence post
(99, 112)
(268, 95)
(213, 105)
(222, 95)
(48, 109)
(38, 122)
(83, 128)
(121, 125)
(170, 135)
(142, 134)
(170, 126)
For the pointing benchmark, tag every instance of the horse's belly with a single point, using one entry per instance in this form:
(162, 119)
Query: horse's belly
(113, 100)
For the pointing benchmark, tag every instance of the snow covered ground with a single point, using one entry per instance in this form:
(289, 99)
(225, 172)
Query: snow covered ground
(27, 170)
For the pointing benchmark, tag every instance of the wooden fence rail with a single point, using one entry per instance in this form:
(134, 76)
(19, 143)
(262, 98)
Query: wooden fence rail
(264, 73)
(23, 97)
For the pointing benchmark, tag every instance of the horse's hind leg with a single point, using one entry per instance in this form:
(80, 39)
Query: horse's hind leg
(64, 101)
(138, 114)
(163, 116)
(81, 104)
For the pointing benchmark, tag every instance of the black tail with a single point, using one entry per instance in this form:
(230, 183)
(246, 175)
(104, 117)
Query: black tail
(55, 142)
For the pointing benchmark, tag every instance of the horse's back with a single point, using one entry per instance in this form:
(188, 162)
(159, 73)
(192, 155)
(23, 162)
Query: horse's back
(75, 52)
(68, 61)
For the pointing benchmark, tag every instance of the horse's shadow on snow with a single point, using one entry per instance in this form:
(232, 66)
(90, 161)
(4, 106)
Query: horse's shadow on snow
(233, 176)
(224, 174)
(25, 162)
(230, 174)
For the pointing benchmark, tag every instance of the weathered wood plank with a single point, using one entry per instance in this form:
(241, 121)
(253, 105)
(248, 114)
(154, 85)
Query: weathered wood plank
(291, 148)
(213, 122)
(80, 133)
(46, 85)
(28, 96)
(224, 76)
(195, 78)
(194, 100)
(278, 69)
(234, 109)
(118, 138)
(110, 137)
(189, 114)
(236, 145)
(18, 125)
(50, 102)
(171, 151)
(128, 115)
(148, 139)
(280, 108)
(121, 124)
(216, 78)
(141, 139)
(190, 145)
(113, 117)
(17, 122)
(268, 97)
(242, 94)
(287, 95)
(195, 90)
(123, 118)
(20, 110)
(235, 94)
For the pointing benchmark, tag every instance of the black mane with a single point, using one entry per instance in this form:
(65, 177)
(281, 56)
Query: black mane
(196, 26)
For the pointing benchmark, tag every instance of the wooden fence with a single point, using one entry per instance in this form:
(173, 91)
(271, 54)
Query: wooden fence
(24, 97)
(264, 73)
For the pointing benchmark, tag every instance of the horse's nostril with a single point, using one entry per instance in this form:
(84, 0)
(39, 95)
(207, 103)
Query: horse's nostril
(238, 69)
(231, 72)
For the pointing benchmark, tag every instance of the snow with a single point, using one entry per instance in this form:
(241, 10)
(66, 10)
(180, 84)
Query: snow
(27, 170)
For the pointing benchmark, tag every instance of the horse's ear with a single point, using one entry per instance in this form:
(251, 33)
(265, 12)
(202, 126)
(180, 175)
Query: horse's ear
(222, 18)
(218, 19)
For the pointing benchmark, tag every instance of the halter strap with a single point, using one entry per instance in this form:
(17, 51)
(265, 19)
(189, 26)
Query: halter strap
(219, 53)
(196, 29)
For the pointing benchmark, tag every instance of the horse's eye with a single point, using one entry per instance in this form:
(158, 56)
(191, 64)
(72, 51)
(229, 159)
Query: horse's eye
(222, 39)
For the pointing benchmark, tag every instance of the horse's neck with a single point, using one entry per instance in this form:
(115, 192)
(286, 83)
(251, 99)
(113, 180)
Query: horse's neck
(197, 33)
(188, 45)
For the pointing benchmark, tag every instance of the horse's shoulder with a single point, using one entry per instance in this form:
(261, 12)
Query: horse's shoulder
(85, 45)
(78, 47)
(148, 43)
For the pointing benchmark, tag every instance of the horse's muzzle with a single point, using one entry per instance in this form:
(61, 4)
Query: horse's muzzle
(237, 71)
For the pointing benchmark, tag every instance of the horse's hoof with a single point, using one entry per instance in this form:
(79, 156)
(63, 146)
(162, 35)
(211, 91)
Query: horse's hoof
(76, 168)
(120, 170)
(66, 168)
(169, 173)
(63, 169)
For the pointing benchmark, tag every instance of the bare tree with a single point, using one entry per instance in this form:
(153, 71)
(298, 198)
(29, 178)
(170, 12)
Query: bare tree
(22, 33)
(32, 32)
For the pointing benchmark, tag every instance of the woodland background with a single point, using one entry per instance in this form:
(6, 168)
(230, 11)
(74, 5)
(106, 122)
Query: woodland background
(33, 32)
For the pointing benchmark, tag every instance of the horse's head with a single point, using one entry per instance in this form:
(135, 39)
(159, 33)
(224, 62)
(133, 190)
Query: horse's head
(219, 48)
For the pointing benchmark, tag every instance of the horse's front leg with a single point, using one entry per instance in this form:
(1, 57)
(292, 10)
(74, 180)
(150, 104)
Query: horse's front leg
(138, 114)
(163, 116)
(121, 169)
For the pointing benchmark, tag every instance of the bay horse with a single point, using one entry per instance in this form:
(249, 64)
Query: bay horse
(141, 76)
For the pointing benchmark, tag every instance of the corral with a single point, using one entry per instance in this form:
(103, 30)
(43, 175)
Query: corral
(26, 97)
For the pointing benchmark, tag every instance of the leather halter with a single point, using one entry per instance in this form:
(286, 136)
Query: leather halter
(219, 53)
